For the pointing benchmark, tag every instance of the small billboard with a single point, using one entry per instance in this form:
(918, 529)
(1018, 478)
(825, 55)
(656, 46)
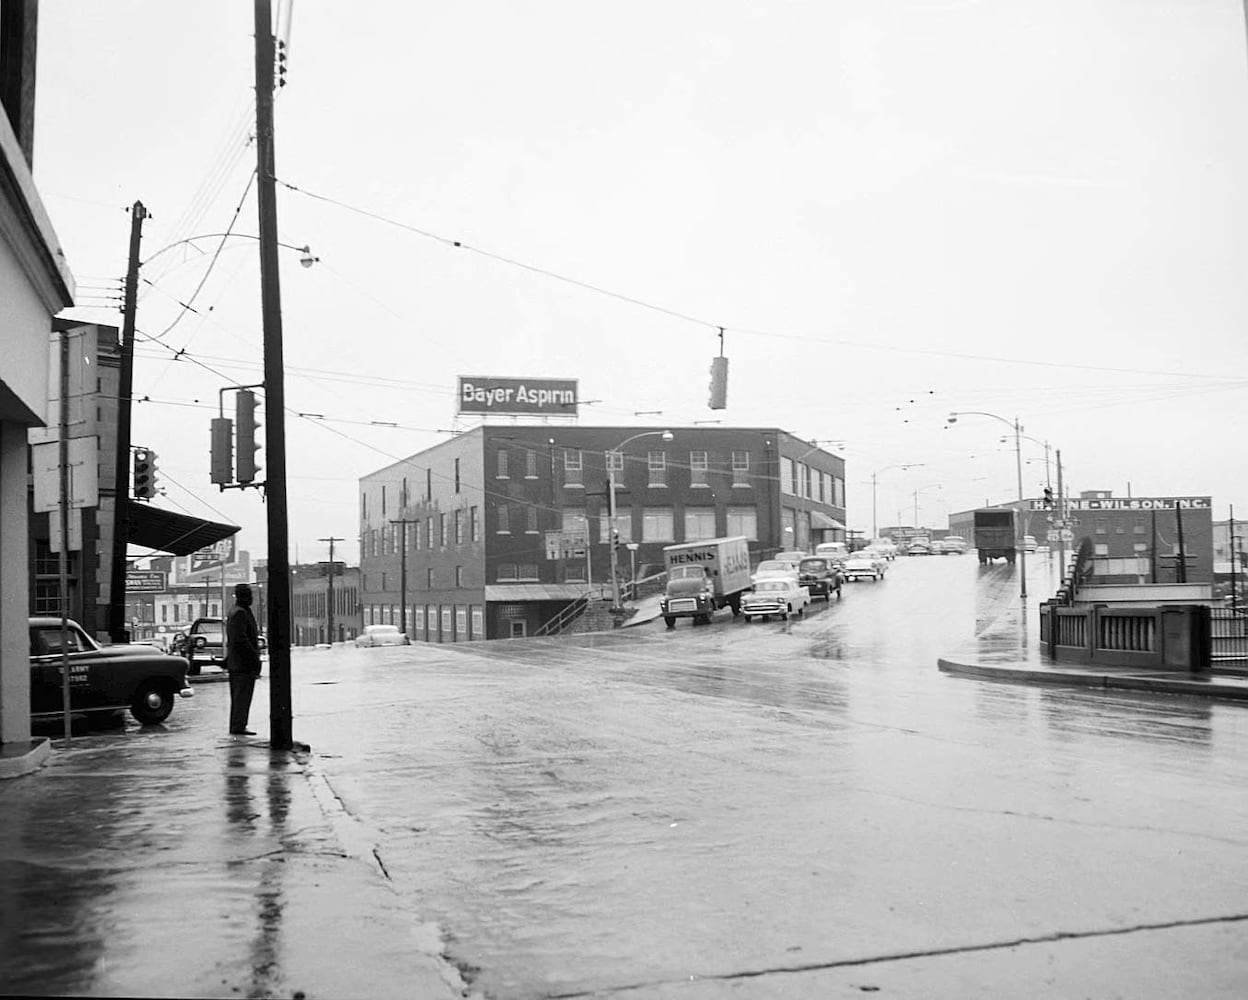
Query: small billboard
(487, 394)
(146, 581)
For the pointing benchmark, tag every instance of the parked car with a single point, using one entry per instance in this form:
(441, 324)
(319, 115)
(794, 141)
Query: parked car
(770, 568)
(954, 544)
(781, 595)
(821, 576)
(102, 679)
(205, 643)
(919, 549)
(864, 563)
(832, 550)
(1029, 543)
(382, 635)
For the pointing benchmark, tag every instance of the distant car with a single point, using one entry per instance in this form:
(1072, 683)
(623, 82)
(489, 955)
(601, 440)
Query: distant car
(205, 643)
(821, 576)
(793, 556)
(102, 679)
(779, 595)
(919, 549)
(864, 563)
(885, 546)
(954, 544)
(382, 635)
(1029, 543)
(832, 550)
(770, 568)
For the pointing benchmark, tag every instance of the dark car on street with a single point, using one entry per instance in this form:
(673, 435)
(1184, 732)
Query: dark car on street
(102, 679)
(821, 575)
(205, 643)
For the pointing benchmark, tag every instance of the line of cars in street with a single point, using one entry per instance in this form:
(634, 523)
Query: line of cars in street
(787, 584)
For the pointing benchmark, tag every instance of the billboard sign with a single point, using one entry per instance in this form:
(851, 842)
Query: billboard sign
(1133, 503)
(213, 556)
(145, 581)
(486, 394)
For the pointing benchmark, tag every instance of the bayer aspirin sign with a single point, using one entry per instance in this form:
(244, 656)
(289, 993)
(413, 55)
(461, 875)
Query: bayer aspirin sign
(486, 394)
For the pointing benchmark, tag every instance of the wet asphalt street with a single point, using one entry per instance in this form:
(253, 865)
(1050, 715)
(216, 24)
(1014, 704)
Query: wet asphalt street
(797, 809)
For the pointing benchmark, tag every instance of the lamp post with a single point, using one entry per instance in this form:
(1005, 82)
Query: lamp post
(1018, 464)
(617, 450)
(875, 527)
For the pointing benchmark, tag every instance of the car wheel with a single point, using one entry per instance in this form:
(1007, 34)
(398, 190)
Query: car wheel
(784, 616)
(801, 612)
(152, 703)
(669, 622)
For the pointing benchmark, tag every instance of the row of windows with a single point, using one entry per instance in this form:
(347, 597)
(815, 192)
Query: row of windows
(314, 604)
(1102, 526)
(434, 532)
(405, 494)
(800, 480)
(613, 461)
(432, 622)
(658, 524)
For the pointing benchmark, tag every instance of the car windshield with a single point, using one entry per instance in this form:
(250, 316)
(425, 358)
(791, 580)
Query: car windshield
(814, 565)
(769, 585)
(774, 566)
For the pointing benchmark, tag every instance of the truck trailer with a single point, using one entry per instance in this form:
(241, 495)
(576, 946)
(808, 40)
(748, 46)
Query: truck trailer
(995, 534)
(703, 577)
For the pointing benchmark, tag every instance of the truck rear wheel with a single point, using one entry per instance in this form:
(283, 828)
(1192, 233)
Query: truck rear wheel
(669, 622)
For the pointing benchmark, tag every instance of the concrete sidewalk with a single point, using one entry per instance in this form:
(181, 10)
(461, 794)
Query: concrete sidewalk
(176, 860)
(1012, 664)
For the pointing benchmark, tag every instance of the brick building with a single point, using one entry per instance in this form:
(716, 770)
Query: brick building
(454, 540)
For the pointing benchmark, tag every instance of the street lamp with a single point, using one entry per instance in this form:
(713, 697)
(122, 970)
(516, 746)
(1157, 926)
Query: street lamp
(930, 486)
(306, 258)
(875, 527)
(1018, 464)
(615, 580)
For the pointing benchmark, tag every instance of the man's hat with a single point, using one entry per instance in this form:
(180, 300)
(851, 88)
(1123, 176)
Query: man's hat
(242, 588)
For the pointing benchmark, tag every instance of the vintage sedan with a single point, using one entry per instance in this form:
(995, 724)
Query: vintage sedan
(780, 595)
(771, 568)
(821, 576)
(382, 635)
(864, 562)
(102, 679)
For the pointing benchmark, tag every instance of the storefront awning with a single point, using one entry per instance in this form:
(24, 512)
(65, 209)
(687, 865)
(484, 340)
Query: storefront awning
(823, 522)
(177, 534)
(534, 592)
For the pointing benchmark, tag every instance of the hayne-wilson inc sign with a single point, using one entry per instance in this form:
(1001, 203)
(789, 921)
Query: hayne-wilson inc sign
(485, 394)
(1133, 503)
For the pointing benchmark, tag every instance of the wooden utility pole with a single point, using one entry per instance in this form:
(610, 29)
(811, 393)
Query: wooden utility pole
(63, 514)
(121, 469)
(403, 570)
(280, 712)
(330, 596)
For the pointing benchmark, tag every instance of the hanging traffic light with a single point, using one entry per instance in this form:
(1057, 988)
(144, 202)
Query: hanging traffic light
(1048, 497)
(719, 383)
(245, 416)
(222, 463)
(144, 473)
(615, 539)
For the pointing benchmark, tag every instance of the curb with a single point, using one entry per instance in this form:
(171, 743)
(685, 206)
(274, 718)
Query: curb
(17, 759)
(1134, 682)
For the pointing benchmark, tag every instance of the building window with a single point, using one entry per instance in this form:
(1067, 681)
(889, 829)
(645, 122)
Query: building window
(527, 571)
(838, 492)
(459, 527)
(506, 572)
(575, 521)
(504, 519)
(502, 463)
(656, 461)
(474, 525)
(1139, 526)
(788, 470)
(1102, 527)
(699, 523)
(573, 471)
(623, 524)
(740, 468)
(461, 622)
(459, 576)
(383, 500)
(530, 464)
(530, 522)
(656, 524)
(457, 475)
(823, 486)
(478, 622)
(1101, 549)
(428, 484)
(574, 571)
(699, 469)
(443, 537)
(429, 532)
(429, 578)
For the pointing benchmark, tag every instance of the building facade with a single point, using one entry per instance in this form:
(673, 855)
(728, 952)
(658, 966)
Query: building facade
(1134, 539)
(492, 533)
(35, 285)
(310, 604)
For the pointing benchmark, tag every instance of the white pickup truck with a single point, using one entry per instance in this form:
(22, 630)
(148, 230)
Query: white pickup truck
(780, 595)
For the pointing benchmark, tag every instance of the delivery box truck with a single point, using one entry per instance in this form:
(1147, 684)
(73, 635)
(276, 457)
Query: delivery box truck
(704, 576)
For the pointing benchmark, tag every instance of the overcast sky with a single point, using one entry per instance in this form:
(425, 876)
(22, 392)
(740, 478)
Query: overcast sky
(895, 210)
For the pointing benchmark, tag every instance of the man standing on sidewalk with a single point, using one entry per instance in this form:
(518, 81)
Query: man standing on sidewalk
(242, 659)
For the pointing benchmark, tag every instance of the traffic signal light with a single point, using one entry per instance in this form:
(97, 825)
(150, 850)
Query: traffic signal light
(1048, 496)
(719, 383)
(144, 473)
(222, 467)
(615, 539)
(245, 416)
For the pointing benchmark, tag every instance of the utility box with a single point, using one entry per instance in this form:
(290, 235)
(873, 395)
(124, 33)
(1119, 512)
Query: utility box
(1184, 636)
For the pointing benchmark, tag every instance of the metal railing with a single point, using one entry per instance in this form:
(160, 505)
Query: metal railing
(565, 617)
(1228, 636)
